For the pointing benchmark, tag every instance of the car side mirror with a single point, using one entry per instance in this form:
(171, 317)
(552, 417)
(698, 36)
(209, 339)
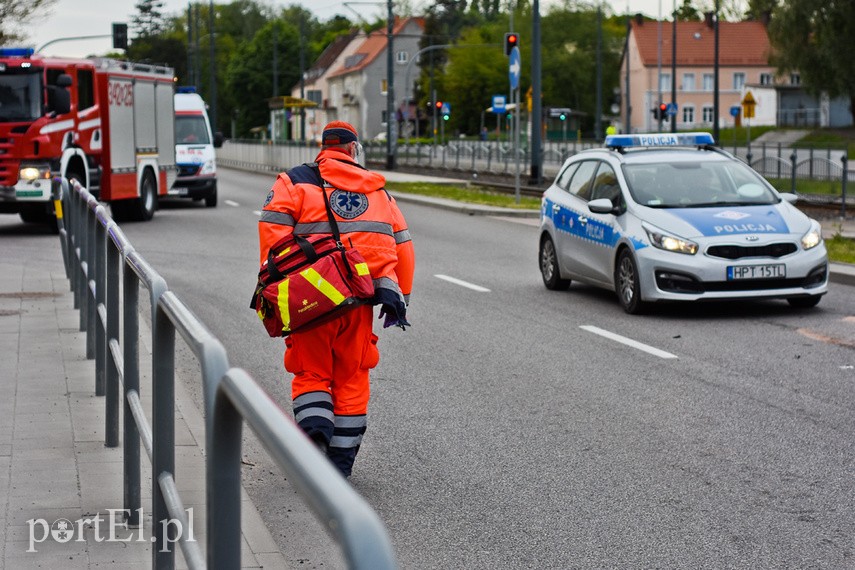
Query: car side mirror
(218, 139)
(602, 206)
(789, 197)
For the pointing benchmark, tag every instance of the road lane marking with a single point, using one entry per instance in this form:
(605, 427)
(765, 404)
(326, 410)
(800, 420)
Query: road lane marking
(232, 203)
(463, 283)
(628, 341)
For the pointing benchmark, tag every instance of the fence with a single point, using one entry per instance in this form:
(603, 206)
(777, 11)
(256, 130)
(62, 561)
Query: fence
(106, 272)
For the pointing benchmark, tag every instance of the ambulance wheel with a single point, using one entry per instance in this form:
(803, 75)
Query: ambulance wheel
(549, 266)
(211, 199)
(628, 285)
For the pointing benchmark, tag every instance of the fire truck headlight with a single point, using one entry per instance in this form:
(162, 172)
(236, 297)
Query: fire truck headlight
(30, 173)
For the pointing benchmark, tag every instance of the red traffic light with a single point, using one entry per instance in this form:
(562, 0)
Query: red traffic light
(439, 104)
(512, 40)
(662, 108)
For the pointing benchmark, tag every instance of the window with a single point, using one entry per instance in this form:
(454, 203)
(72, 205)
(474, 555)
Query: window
(402, 57)
(738, 81)
(709, 81)
(580, 185)
(795, 79)
(563, 180)
(314, 95)
(606, 185)
(708, 114)
(665, 82)
(383, 86)
(766, 79)
(688, 115)
(688, 82)
(85, 89)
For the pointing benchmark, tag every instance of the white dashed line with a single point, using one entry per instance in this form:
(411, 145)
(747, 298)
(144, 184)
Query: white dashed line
(628, 341)
(232, 203)
(463, 283)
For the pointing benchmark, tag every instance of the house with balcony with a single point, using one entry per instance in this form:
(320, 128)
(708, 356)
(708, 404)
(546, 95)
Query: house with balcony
(744, 51)
(357, 88)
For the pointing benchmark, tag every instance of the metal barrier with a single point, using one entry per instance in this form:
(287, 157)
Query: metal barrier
(97, 256)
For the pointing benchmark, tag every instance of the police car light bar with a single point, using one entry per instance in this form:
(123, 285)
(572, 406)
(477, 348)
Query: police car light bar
(16, 52)
(659, 139)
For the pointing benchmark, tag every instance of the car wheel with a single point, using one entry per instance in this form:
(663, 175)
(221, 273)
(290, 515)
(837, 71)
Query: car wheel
(627, 284)
(804, 302)
(143, 207)
(549, 266)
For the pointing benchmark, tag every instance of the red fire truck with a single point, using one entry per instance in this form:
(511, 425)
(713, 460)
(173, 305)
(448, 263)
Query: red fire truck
(108, 124)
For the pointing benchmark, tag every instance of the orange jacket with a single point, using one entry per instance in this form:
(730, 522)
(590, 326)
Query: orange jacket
(368, 217)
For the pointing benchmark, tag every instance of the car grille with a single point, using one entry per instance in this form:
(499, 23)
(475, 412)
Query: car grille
(8, 171)
(740, 251)
(188, 169)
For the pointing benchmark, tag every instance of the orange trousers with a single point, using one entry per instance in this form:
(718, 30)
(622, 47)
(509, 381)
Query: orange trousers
(335, 358)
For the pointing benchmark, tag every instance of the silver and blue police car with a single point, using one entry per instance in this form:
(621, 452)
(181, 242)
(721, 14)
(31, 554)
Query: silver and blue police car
(670, 217)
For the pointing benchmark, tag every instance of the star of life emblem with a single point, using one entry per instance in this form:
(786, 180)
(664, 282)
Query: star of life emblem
(62, 530)
(348, 205)
(731, 215)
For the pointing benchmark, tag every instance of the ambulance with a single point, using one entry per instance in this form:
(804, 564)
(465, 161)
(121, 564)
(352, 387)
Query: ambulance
(194, 149)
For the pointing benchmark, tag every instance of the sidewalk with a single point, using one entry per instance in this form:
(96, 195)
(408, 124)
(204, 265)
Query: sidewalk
(53, 462)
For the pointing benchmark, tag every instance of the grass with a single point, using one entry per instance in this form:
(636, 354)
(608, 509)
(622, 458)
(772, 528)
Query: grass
(840, 249)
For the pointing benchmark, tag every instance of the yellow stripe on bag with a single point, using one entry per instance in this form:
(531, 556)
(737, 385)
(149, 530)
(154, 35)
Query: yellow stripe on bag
(323, 286)
(283, 252)
(57, 205)
(361, 268)
(284, 313)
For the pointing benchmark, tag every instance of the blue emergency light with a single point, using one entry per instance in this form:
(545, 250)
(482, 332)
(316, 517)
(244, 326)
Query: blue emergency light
(185, 89)
(659, 139)
(16, 52)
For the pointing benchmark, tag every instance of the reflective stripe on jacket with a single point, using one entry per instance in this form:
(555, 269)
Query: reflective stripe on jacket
(368, 217)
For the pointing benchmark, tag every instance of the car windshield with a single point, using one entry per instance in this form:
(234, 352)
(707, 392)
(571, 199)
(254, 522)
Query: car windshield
(20, 96)
(697, 184)
(191, 129)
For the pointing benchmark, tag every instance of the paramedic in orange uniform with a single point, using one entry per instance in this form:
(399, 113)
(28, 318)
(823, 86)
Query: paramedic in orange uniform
(330, 362)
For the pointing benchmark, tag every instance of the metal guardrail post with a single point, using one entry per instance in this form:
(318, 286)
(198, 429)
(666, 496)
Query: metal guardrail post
(845, 160)
(793, 158)
(224, 518)
(83, 250)
(163, 421)
(114, 266)
(100, 246)
(131, 359)
(91, 307)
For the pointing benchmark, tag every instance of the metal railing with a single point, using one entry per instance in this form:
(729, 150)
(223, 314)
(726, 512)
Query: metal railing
(98, 259)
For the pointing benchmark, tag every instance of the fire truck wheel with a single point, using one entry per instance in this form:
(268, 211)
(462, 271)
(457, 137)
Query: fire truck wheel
(146, 204)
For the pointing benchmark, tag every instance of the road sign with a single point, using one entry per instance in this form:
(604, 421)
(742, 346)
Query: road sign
(748, 104)
(734, 111)
(499, 104)
(446, 109)
(671, 109)
(514, 68)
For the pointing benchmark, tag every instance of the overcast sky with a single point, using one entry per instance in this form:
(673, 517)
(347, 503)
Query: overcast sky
(95, 17)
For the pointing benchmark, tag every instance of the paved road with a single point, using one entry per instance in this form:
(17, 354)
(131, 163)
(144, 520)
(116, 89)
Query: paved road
(510, 428)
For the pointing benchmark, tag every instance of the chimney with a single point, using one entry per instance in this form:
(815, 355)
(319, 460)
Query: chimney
(708, 19)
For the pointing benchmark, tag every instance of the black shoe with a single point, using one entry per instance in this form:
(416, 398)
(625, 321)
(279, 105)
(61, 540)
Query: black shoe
(320, 441)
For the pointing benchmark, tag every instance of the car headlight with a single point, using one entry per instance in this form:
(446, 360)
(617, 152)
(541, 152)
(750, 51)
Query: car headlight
(669, 242)
(814, 236)
(208, 167)
(32, 172)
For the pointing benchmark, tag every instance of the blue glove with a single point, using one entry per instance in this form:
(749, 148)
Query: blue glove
(394, 317)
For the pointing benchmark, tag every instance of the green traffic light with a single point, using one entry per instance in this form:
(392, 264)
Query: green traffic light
(562, 116)
(445, 117)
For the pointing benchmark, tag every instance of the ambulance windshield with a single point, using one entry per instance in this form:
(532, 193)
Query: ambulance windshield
(191, 129)
(20, 96)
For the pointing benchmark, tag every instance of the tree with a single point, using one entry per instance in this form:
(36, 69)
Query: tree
(814, 38)
(148, 21)
(16, 14)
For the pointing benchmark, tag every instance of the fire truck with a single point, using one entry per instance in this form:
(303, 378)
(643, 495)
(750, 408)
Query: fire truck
(106, 123)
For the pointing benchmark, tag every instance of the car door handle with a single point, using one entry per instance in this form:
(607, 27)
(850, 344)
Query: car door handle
(583, 220)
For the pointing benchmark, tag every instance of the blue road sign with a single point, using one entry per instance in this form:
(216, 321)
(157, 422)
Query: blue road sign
(499, 104)
(446, 109)
(514, 68)
(734, 111)
(671, 109)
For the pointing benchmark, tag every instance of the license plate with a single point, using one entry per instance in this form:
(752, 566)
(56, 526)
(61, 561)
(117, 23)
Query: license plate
(768, 271)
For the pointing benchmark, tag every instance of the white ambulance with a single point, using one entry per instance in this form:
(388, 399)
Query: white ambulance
(194, 149)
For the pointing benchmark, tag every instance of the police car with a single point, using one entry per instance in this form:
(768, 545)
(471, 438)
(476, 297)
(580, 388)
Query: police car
(670, 217)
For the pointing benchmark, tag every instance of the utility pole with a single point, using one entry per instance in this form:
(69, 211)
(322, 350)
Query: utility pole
(628, 125)
(715, 77)
(189, 43)
(391, 132)
(674, 65)
(302, 77)
(536, 112)
(213, 70)
(598, 125)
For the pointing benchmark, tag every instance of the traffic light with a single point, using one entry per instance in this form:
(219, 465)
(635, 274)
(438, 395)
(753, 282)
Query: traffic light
(512, 40)
(663, 112)
(120, 36)
(446, 116)
(562, 116)
(655, 112)
(438, 105)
